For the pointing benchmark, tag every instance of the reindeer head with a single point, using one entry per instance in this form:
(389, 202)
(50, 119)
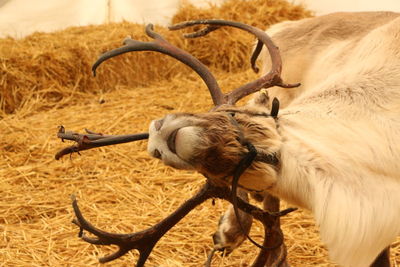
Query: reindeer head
(214, 143)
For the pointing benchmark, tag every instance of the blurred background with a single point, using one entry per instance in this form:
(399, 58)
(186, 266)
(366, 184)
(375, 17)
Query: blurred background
(19, 18)
(46, 81)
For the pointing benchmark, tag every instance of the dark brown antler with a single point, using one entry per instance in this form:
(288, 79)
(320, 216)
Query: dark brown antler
(159, 44)
(91, 140)
(162, 46)
(144, 241)
(273, 78)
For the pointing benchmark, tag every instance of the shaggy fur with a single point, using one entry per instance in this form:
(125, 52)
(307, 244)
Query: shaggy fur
(337, 137)
(342, 129)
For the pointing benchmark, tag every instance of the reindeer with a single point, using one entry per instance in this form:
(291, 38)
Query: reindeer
(334, 147)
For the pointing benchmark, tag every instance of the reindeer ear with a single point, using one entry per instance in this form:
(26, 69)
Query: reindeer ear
(275, 108)
(261, 99)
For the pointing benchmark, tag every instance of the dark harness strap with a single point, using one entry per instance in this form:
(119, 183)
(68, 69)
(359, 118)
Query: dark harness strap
(271, 159)
(239, 170)
(246, 161)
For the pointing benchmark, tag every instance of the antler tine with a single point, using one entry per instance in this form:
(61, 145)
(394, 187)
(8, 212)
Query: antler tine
(161, 45)
(255, 55)
(268, 80)
(93, 140)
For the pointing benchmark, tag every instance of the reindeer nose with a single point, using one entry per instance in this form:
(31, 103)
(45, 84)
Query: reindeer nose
(156, 154)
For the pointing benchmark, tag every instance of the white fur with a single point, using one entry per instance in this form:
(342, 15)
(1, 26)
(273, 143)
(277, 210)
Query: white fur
(339, 133)
(341, 157)
(187, 134)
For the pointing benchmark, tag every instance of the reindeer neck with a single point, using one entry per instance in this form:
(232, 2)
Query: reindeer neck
(299, 163)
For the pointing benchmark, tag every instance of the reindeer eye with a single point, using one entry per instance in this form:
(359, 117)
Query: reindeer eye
(171, 141)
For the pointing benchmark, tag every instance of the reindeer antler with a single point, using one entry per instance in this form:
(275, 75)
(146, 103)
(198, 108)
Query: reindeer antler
(272, 78)
(144, 241)
(159, 44)
(92, 140)
(164, 47)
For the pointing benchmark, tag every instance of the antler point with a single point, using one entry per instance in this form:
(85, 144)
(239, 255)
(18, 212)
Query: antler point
(73, 198)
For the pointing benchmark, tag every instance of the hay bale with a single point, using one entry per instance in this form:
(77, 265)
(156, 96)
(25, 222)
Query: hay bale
(52, 67)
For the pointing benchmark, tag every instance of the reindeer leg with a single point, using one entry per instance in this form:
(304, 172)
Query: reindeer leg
(229, 235)
(383, 259)
(273, 238)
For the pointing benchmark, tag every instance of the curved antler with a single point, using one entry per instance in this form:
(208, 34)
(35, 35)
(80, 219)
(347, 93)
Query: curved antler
(272, 78)
(161, 45)
(145, 240)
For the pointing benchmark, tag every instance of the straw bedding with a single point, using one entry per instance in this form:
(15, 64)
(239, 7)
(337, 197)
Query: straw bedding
(45, 81)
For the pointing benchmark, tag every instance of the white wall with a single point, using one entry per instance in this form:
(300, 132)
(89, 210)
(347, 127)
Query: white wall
(328, 6)
(19, 18)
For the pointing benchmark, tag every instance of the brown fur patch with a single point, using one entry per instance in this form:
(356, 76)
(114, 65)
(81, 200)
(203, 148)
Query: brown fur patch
(221, 149)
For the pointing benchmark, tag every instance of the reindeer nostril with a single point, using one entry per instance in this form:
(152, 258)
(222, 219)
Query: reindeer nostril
(158, 124)
(157, 154)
